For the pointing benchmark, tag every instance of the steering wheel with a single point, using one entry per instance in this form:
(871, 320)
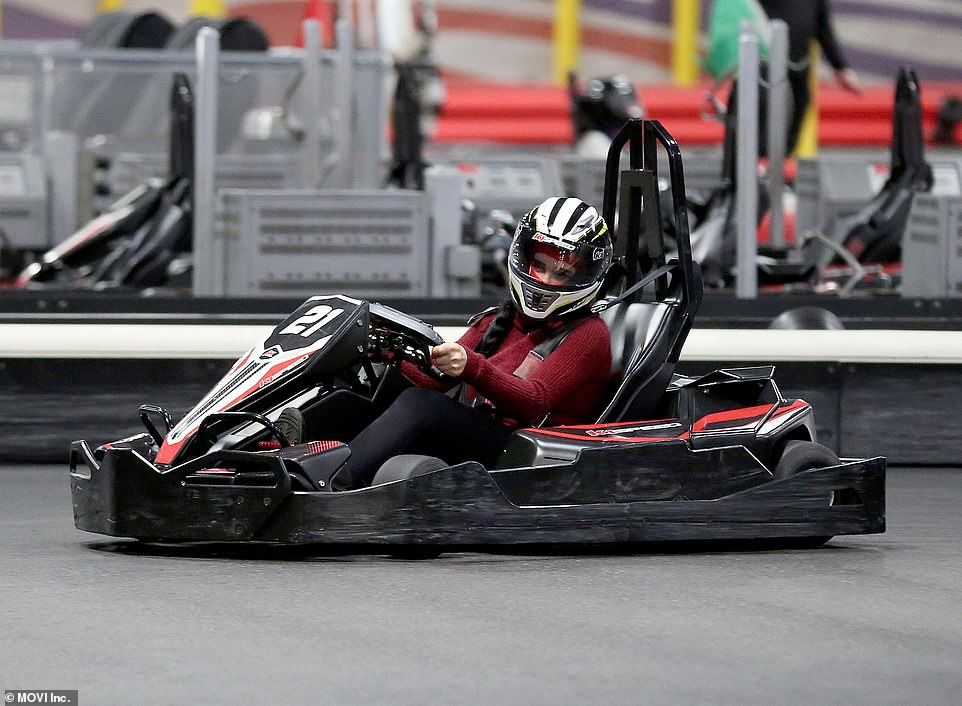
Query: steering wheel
(394, 346)
(395, 336)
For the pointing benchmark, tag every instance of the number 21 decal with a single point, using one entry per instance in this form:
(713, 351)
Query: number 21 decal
(312, 321)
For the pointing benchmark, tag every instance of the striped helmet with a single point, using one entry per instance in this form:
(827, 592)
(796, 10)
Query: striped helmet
(559, 256)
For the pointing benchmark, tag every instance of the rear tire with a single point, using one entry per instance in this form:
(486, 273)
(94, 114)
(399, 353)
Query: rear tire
(801, 456)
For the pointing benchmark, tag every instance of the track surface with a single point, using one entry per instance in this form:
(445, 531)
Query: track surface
(863, 620)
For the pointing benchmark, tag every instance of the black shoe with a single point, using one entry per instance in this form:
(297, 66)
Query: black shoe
(291, 424)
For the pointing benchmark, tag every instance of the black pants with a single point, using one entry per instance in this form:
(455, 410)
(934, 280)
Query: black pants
(798, 82)
(801, 96)
(424, 422)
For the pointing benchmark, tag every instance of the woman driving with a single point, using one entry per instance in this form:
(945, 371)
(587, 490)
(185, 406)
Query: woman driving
(542, 355)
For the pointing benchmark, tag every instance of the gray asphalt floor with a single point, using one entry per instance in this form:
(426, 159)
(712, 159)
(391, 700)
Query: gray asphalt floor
(862, 620)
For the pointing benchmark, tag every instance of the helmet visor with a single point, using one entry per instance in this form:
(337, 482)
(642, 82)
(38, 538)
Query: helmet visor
(562, 268)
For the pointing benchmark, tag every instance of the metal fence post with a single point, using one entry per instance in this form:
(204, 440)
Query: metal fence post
(208, 272)
(777, 122)
(746, 207)
(344, 104)
(312, 87)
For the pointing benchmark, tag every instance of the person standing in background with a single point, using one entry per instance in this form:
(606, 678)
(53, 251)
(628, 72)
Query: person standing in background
(808, 20)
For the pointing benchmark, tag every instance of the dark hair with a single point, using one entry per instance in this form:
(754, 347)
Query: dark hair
(501, 324)
(497, 329)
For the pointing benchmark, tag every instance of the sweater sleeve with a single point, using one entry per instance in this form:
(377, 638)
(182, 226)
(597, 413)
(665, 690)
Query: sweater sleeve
(583, 356)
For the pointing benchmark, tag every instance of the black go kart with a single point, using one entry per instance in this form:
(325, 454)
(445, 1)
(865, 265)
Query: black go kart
(719, 457)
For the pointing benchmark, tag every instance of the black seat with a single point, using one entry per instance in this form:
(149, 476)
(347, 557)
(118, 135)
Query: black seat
(656, 298)
(646, 341)
(874, 234)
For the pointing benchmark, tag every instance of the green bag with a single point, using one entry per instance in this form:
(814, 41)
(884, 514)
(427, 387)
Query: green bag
(724, 30)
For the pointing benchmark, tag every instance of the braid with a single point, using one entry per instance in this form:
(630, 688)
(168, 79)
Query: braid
(497, 329)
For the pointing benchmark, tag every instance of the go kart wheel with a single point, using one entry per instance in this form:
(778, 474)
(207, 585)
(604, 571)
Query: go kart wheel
(401, 468)
(407, 466)
(801, 456)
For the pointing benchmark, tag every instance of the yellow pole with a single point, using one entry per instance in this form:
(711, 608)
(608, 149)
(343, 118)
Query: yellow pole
(105, 6)
(567, 38)
(208, 8)
(685, 18)
(808, 135)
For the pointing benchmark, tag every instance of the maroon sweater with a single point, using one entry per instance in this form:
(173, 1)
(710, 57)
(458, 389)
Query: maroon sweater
(568, 384)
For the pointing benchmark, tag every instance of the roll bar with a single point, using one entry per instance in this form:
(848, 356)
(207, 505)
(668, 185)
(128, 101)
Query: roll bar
(633, 195)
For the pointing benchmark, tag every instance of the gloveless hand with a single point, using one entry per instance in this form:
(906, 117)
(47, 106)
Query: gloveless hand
(449, 358)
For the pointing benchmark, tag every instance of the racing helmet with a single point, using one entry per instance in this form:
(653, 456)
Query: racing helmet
(559, 256)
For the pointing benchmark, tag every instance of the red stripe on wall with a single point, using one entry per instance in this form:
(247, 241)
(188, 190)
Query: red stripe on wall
(628, 44)
(657, 51)
(493, 22)
(281, 21)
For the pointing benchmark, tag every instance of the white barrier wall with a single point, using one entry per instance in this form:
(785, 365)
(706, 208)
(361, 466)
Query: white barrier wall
(229, 341)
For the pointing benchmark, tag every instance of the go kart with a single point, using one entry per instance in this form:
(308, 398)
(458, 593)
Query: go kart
(723, 456)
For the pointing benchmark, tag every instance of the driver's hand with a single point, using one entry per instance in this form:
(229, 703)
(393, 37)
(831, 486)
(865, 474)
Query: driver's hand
(449, 358)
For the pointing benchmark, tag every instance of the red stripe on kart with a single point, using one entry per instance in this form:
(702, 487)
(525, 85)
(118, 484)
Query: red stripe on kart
(240, 364)
(256, 385)
(168, 451)
(789, 409)
(316, 447)
(611, 425)
(608, 437)
(741, 417)
(271, 373)
(796, 404)
(735, 415)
